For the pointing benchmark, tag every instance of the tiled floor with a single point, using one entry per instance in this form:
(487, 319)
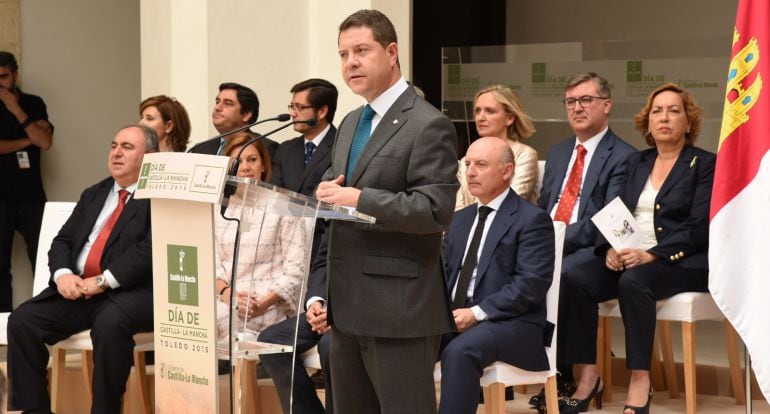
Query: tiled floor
(710, 351)
(661, 404)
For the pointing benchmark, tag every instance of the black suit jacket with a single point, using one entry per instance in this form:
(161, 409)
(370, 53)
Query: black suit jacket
(513, 275)
(211, 146)
(681, 213)
(601, 184)
(127, 253)
(516, 264)
(289, 170)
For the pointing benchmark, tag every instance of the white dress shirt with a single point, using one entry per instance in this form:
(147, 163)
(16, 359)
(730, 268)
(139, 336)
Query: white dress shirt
(109, 206)
(495, 204)
(590, 145)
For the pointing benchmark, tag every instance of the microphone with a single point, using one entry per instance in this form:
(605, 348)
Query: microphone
(236, 164)
(279, 118)
(230, 188)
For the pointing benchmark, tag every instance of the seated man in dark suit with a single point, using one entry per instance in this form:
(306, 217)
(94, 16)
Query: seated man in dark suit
(590, 163)
(311, 331)
(101, 279)
(497, 278)
(234, 107)
(300, 163)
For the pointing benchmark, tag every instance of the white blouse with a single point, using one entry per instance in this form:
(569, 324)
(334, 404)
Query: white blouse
(644, 213)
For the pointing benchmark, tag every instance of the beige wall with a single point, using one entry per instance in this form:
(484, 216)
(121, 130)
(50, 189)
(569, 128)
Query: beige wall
(9, 26)
(93, 61)
(82, 58)
(189, 48)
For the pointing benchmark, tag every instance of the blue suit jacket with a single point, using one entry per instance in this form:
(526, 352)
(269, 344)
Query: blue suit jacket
(516, 264)
(681, 214)
(601, 184)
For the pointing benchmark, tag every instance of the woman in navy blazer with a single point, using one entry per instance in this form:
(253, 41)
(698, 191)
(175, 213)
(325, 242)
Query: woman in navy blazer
(668, 189)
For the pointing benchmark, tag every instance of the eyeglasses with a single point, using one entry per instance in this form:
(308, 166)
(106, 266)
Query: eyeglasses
(585, 100)
(298, 107)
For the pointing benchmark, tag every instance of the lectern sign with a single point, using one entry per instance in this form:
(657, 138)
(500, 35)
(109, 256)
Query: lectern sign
(183, 188)
(181, 176)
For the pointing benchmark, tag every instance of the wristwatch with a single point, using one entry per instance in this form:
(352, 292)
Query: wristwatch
(101, 282)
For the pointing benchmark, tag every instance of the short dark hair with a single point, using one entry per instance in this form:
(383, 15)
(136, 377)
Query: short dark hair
(8, 60)
(246, 97)
(320, 93)
(601, 83)
(382, 28)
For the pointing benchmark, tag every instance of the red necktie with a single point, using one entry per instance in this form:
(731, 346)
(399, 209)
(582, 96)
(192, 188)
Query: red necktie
(572, 189)
(93, 265)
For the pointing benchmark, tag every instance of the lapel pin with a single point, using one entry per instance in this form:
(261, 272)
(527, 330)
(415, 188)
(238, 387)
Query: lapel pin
(694, 161)
(395, 121)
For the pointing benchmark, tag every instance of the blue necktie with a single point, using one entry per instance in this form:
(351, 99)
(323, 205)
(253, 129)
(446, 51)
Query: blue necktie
(221, 146)
(361, 137)
(309, 148)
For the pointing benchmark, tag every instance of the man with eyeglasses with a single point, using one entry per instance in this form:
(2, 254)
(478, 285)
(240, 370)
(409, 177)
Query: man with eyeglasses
(299, 165)
(582, 174)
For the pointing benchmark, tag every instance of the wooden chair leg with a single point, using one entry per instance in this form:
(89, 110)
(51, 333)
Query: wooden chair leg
(142, 382)
(604, 355)
(87, 361)
(734, 362)
(656, 368)
(551, 396)
(494, 398)
(669, 366)
(58, 364)
(246, 386)
(688, 343)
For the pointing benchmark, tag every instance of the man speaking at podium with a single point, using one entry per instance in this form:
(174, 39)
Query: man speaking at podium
(395, 159)
(101, 267)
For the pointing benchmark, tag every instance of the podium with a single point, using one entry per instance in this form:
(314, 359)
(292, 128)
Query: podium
(265, 242)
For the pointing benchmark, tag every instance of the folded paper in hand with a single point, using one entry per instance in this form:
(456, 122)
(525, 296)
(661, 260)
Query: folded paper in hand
(618, 226)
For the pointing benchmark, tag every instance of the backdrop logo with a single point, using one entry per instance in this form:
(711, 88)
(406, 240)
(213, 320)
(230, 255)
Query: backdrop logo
(182, 274)
(739, 100)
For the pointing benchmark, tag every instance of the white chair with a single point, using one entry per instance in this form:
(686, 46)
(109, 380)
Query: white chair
(500, 375)
(687, 308)
(54, 216)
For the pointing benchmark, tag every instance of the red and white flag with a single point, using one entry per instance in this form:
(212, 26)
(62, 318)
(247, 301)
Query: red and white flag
(739, 247)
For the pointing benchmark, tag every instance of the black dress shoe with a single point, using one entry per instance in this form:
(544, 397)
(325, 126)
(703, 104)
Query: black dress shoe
(641, 410)
(563, 389)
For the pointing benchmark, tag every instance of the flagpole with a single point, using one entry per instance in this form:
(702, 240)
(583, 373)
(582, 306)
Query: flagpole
(749, 405)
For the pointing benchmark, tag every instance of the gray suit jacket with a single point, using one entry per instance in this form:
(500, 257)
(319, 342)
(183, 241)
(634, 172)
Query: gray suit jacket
(601, 184)
(386, 279)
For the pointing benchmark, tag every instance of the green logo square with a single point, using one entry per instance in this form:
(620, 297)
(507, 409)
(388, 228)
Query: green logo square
(538, 72)
(453, 72)
(182, 274)
(634, 71)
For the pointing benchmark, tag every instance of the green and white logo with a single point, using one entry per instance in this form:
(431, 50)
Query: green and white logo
(182, 274)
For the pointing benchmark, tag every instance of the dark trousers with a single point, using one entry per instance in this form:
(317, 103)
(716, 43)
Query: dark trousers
(637, 289)
(38, 322)
(279, 366)
(383, 375)
(464, 357)
(24, 217)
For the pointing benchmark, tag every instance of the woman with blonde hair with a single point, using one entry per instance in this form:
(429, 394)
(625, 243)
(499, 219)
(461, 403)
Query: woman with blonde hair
(498, 112)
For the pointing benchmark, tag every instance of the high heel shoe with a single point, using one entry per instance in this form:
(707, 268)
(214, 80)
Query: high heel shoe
(640, 410)
(569, 405)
